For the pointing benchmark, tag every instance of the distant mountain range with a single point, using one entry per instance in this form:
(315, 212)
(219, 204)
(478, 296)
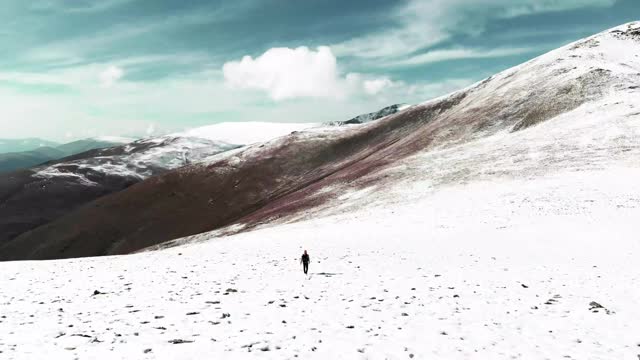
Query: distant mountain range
(25, 153)
(20, 160)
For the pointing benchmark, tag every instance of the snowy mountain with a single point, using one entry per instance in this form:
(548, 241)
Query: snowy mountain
(139, 159)
(245, 133)
(365, 118)
(497, 222)
(313, 171)
(12, 161)
(33, 197)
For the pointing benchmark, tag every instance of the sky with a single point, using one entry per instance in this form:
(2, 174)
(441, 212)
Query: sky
(72, 69)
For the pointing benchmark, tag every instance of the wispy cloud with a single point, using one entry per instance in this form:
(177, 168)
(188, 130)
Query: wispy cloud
(79, 49)
(115, 41)
(436, 56)
(421, 24)
(76, 6)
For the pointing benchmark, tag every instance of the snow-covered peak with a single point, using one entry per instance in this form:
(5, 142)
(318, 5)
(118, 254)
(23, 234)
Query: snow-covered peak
(143, 158)
(614, 49)
(376, 115)
(244, 133)
(138, 160)
(543, 88)
(114, 139)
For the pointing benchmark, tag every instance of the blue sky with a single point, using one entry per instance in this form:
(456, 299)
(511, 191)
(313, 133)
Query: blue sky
(77, 68)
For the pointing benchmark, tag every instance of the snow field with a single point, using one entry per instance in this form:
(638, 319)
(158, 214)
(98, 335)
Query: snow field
(438, 278)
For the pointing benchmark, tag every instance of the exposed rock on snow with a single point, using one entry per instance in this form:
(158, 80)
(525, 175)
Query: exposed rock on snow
(365, 118)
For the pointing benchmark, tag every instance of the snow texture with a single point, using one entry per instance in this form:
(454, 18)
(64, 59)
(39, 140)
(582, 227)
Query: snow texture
(245, 133)
(114, 139)
(144, 158)
(139, 159)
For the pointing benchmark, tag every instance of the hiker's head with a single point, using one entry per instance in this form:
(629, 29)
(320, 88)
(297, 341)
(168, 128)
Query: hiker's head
(305, 251)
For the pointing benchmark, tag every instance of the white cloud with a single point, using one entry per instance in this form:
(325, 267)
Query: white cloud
(111, 75)
(424, 23)
(286, 73)
(375, 86)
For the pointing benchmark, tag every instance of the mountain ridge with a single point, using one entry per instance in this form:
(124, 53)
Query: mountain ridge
(372, 116)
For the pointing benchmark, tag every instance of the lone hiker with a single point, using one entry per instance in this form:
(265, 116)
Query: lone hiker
(305, 262)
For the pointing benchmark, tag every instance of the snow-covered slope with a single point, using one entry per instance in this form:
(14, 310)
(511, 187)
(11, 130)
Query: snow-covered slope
(494, 270)
(115, 139)
(245, 133)
(146, 157)
(498, 222)
(139, 159)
